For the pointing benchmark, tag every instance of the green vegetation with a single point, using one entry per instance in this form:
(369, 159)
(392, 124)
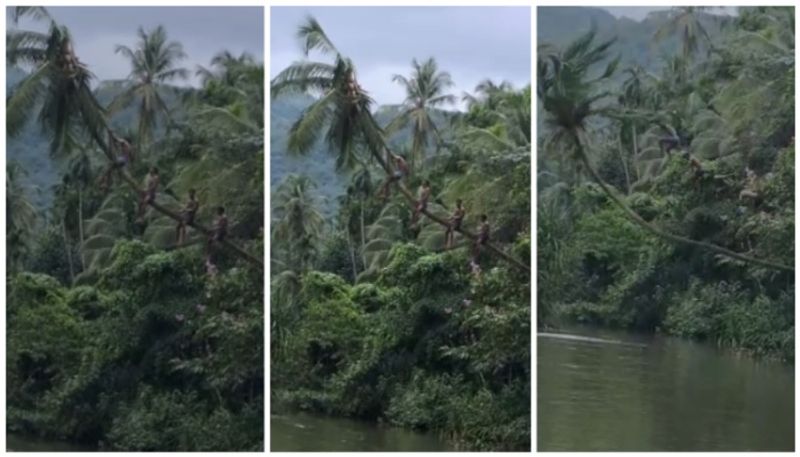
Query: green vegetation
(666, 201)
(117, 337)
(372, 317)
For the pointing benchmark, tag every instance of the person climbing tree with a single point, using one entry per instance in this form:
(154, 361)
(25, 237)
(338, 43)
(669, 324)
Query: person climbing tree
(220, 226)
(121, 160)
(218, 235)
(400, 172)
(667, 144)
(187, 216)
(454, 224)
(151, 187)
(482, 238)
(750, 190)
(423, 194)
(697, 168)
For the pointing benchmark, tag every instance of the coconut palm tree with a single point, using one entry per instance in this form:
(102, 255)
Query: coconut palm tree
(233, 94)
(224, 66)
(58, 86)
(502, 118)
(486, 93)
(685, 22)
(342, 110)
(569, 100)
(425, 91)
(38, 13)
(154, 64)
(298, 223)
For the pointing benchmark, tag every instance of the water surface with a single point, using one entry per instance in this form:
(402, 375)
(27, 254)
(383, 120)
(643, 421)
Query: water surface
(610, 391)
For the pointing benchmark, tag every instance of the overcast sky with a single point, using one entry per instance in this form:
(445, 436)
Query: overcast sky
(472, 43)
(203, 31)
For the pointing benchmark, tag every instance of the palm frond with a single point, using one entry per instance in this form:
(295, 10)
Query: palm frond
(314, 38)
(24, 99)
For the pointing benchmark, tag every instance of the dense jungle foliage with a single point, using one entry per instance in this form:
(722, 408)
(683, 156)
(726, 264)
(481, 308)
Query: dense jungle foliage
(372, 317)
(116, 336)
(666, 197)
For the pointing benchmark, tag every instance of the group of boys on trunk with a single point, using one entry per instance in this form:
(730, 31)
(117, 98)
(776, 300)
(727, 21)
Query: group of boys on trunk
(401, 171)
(124, 158)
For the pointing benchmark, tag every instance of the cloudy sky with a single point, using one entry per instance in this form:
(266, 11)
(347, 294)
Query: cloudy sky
(472, 43)
(203, 31)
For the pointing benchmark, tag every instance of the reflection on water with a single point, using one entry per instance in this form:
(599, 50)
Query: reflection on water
(306, 432)
(659, 394)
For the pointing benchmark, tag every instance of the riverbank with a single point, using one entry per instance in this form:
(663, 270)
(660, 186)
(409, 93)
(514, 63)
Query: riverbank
(603, 390)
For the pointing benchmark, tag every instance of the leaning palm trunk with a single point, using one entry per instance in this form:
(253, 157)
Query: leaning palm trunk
(657, 231)
(177, 217)
(106, 148)
(92, 114)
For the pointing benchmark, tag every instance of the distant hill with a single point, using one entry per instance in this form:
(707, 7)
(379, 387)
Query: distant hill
(561, 25)
(318, 164)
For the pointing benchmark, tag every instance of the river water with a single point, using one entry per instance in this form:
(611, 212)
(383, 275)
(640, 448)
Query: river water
(608, 391)
(307, 432)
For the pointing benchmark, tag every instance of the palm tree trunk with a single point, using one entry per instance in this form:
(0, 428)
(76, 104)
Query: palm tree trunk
(624, 166)
(416, 152)
(68, 250)
(363, 234)
(80, 226)
(635, 217)
(352, 254)
(636, 153)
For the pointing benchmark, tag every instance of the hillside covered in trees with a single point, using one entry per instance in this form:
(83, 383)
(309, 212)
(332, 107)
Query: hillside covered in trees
(666, 191)
(374, 315)
(119, 337)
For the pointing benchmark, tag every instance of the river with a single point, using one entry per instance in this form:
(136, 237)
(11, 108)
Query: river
(307, 432)
(608, 391)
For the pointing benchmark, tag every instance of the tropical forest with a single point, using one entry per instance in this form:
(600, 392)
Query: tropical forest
(135, 309)
(665, 229)
(400, 259)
